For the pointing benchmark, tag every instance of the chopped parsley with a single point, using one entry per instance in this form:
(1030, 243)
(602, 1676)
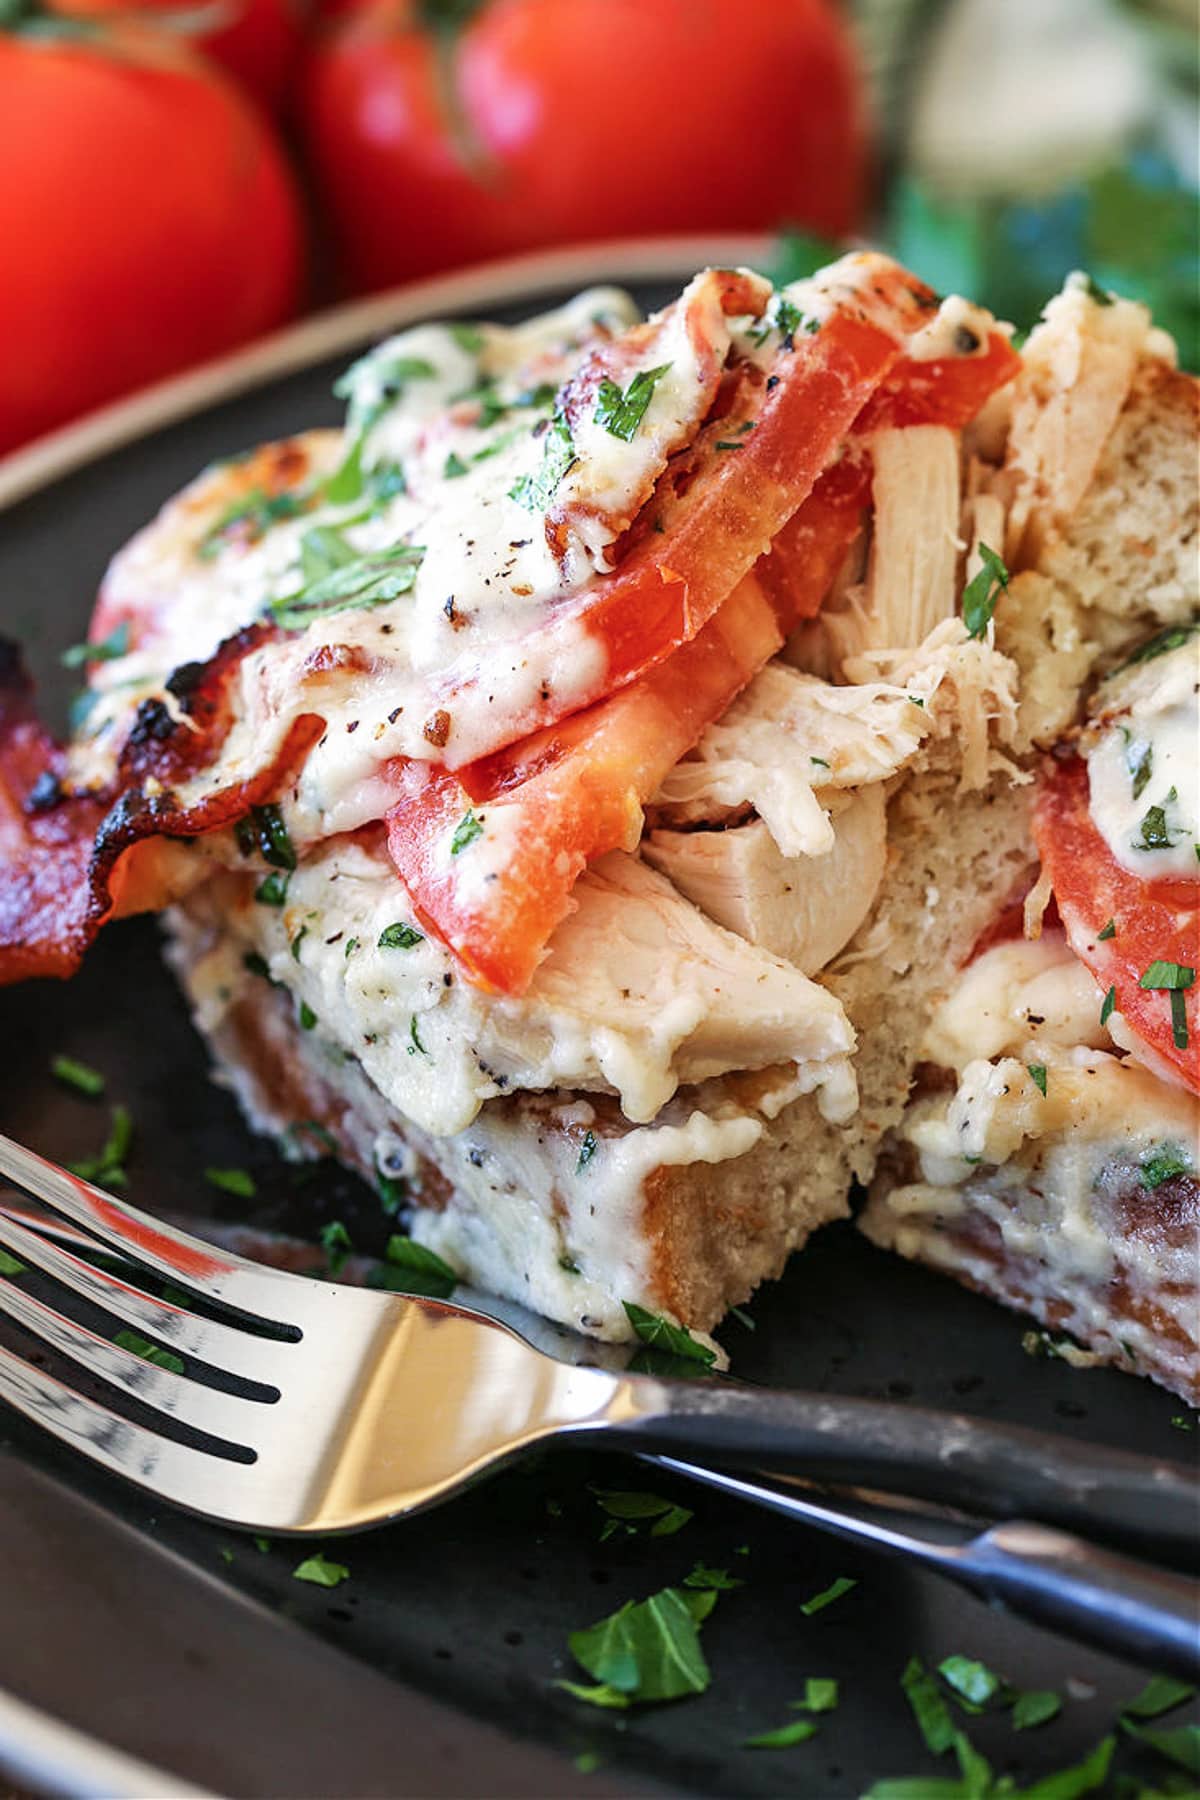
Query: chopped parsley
(107, 1168)
(296, 942)
(535, 491)
(79, 1075)
(106, 650)
(648, 1650)
(1162, 1693)
(9, 1264)
(1036, 1707)
(405, 1253)
(621, 412)
(1037, 1074)
(250, 517)
(351, 947)
(718, 1581)
(1100, 296)
(586, 1151)
(272, 889)
(1156, 832)
(1175, 978)
(1161, 644)
(232, 1181)
(982, 592)
(453, 466)
(337, 1245)
(321, 1572)
(465, 832)
(262, 831)
(796, 1731)
(1161, 1164)
(661, 1334)
(415, 1047)
(468, 337)
(627, 1507)
(375, 382)
(322, 550)
(307, 1016)
(372, 579)
(1181, 1746)
(1139, 760)
(1108, 1006)
(827, 1596)
(929, 1708)
(1107, 931)
(151, 1353)
(400, 937)
(973, 1682)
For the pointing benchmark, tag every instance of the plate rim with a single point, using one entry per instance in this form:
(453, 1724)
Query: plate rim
(332, 330)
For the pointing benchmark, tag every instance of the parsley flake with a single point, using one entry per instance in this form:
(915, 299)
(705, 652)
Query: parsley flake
(416, 1047)
(621, 413)
(272, 889)
(1139, 760)
(587, 1150)
(232, 1181)
(1161, 1164)
(796, 1731)
(982, 592)
(1036, 1707)
(107, 1169)
(453, 466)
(262, 831)
(535, 491)
(1106, 932)
(373, 579)
(827, 1596)
(1108, 1005)
(151, 1353)
(649, 1649)
(465, 832)
(108, 649)
(400, 937)
(662, 1334)
(9, 1264)
(307, 1016)
(1037, 1074)
(321, 1572)
(337, 1245)
(1156, 831)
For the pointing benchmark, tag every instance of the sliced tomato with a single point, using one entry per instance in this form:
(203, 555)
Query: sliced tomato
(941, 390)
(1093, 891)
(563, 798)
(744, 479)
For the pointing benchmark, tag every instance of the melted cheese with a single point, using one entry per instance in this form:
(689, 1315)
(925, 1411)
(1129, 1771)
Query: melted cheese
(1147, 755)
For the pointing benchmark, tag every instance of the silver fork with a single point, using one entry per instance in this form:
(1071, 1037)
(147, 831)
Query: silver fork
(349, 1407)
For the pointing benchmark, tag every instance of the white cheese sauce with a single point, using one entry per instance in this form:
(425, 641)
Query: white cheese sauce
(1144, 765)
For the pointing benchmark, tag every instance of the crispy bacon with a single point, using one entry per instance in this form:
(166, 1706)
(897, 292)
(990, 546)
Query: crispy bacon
(69, 861)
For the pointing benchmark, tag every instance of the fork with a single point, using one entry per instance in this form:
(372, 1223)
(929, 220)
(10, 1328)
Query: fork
(343, 1407)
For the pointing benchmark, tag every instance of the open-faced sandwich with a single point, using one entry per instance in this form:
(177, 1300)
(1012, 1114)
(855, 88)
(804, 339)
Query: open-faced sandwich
(601, 791)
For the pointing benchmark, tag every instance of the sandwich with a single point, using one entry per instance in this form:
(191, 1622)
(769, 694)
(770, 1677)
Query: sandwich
(577, 790)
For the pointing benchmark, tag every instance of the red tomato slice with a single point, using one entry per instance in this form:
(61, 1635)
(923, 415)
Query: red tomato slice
(744, 479)
(1092, 889)
(943, 390)
(563, 798)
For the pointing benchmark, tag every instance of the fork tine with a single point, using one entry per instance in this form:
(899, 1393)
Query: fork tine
(224, 1346)
(134, 1233)
(222, 1415)
(192, 1478)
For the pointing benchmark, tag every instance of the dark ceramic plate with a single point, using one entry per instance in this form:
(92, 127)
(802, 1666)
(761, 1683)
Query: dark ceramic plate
(430, 1670)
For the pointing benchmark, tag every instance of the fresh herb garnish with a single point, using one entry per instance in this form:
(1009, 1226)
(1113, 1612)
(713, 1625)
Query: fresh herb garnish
(932, 1714)
(337, 1245)
(1139, 760)
(151, 1353)
(9, 1264)
(973, 1682)
(828, 1595)
(1175, 978)
(1108, 1005)
(587, 1150)
(1161, 644)
(1106, 932)
(820, 1695)
(106, 650)
(107, 1169)
(321, 1572)
(626, 1507)
(661, 1334)
(468, 337)
(1161, 1164)
(272, 889)
(622, 412)
(1095, 292)
(296, 942)
(982, 592)
(415, 1046)
(1180, 1745)
(232, 1181)
(1156, 832)
(406, 1253)
(78, 1075)
(453, 466)
(535, 491)
(717, 1581)
(307, 1016)
(1162, 1693)
(647, 1650)
(465, 832)
(796, 1731)
(400, 937)
(1037, 1707)
(262, 831)
(250, 517)
(1037, 1074)
(372, 579)
(375, 382)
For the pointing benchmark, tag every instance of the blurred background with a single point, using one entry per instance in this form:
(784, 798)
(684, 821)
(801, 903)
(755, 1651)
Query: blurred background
(182, 176)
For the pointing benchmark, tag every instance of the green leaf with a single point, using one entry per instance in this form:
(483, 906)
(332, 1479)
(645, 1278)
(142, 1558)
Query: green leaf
(649, 1650)
(232, 1181)
(453, 466)
(1037, 1074)
(602, 1694)
(262, 832)
(400, 937)
(1156, 832)
(1139, 760)
(1171, 975)
(587, 1150)
(108, 649)
(1096, 293)
(1109, 931)
(974, 1768)
(929, 1708)
(718, 1581)
(628, 1503)
(1161, 644)
(373, 579)
(1180, 1745)
(1035, 1708)
(376, 381)
(1161, 1164)
(345, 485)
(1162, 1693)
(336, 1242)
(78, 1075)
(661, 1334)
(796, 1731)
(1108, 1005)
(321, 1572)
(621, 413)
(465, 832)
(415, 1046)
(249, 518)
(972, 1681)
(108, 1166)
(9, 1264)
(820, 1694)
(272, 889)
(1081, 1778)
(982, 592)
(151, 1353)
(535, 492)
(797, 254)
(828, 1595)
(307, 1016)
(467, 336)
(405, 1253)
(322, 550)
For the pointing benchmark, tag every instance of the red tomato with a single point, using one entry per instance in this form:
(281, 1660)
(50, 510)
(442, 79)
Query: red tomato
(556, 121)
(1151, 923)
(147, 217)
(255, 41)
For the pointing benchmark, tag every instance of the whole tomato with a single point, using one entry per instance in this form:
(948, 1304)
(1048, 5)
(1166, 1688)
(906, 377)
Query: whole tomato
(147, 216)
(532, 122)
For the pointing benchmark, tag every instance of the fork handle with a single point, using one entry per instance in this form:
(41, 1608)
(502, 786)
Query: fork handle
(993, 1470)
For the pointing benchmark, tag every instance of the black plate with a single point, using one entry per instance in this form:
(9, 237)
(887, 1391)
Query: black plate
(457, 1621)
